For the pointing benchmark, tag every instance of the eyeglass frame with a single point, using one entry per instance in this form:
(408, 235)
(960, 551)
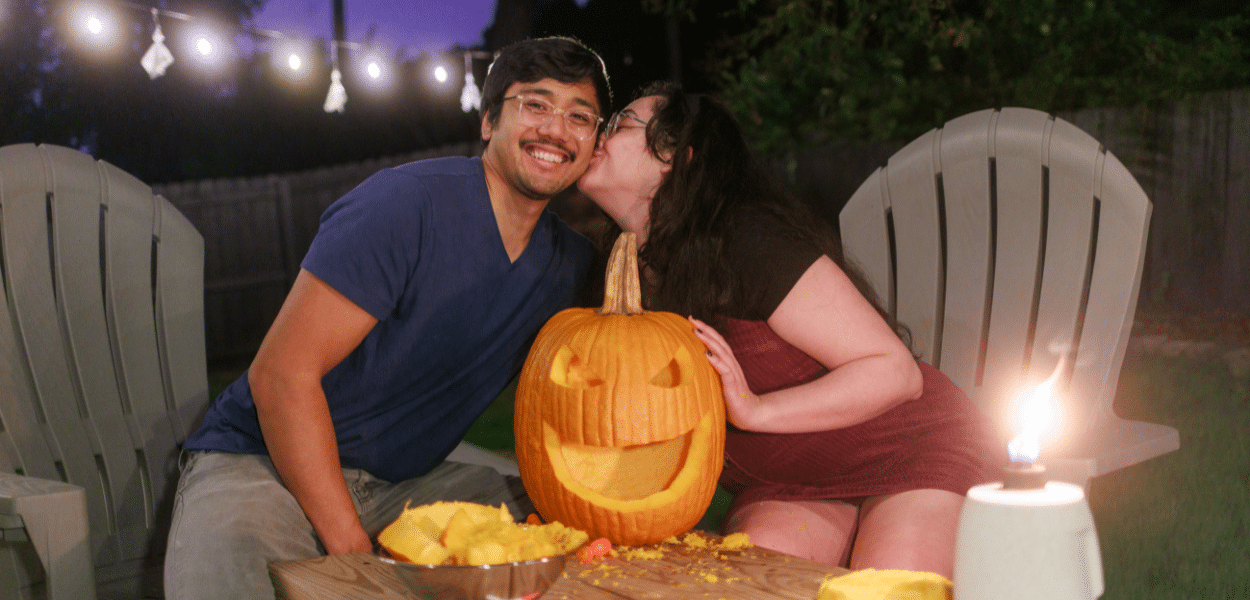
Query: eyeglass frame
(614, 124)
(523, 110)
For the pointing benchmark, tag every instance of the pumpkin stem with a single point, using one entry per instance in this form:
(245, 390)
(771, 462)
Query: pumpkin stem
(622, 294)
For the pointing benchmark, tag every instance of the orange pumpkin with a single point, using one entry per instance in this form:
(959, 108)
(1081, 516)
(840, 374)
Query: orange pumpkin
(619, 420)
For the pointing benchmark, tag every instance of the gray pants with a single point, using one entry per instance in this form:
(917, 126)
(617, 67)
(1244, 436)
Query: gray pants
(232, 517)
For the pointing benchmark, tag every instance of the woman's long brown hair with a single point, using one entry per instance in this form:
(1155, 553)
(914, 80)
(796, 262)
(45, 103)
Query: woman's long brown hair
(715, 183)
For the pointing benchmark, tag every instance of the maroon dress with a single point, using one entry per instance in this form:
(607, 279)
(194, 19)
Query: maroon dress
(940, 440)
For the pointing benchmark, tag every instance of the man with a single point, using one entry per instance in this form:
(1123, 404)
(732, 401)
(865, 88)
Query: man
(414, 307)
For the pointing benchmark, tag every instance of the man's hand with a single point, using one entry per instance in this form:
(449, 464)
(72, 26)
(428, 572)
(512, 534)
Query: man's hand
(354, 540)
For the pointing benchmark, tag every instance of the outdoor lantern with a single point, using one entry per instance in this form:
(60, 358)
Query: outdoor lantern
(1027, 538)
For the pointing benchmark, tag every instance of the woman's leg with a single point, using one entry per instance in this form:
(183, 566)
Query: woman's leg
(818, 530)
(912, 530)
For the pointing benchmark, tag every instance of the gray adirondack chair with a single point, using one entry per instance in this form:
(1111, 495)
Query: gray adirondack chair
(1007, 240)
(102, 373)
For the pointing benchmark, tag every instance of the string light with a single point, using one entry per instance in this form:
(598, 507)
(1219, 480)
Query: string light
(375, 70)
(210, 50)
(470, 97)
(96, 27)
(206, 47)
(336, 97)
(292, 59)
(158, 57)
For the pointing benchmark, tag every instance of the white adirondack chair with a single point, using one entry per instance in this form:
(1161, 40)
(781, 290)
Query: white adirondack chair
(1004, 240)
(102, 373)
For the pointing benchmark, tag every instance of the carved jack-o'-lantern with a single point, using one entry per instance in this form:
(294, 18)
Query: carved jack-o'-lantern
(620, 421)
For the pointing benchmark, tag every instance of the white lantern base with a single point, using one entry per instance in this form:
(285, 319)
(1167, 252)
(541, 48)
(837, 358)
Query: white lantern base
(1025, 544)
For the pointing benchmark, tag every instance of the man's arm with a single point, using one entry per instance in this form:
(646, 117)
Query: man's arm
(315, 329)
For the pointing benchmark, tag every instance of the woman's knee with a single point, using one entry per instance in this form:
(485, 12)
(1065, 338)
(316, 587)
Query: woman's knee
(913, 530)
(818, 530)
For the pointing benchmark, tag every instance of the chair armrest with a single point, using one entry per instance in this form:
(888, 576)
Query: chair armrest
(53, 517)
(472, 454)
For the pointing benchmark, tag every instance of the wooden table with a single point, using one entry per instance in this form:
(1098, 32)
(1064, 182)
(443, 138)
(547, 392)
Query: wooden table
(674, 571)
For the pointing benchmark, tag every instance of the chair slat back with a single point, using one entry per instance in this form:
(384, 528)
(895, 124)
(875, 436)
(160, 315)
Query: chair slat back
(1123, 226)
(965, 182)
(103, 341)
(918, 245)
(1018, 150)
(37, 288)
(1012, 239)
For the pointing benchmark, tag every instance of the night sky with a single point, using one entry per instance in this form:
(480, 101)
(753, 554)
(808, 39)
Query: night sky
(419, 26)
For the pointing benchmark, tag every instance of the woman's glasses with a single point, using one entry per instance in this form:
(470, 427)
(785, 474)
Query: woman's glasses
(617, 122)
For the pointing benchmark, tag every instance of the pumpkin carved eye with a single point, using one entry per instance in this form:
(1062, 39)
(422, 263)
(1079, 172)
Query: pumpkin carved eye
(674, 374)
(570, 371)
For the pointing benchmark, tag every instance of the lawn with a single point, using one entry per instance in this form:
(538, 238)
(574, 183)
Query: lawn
(1171, 527)
(1175, 526)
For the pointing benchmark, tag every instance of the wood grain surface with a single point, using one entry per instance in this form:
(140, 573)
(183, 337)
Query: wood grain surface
(686, 571)
(695, 568)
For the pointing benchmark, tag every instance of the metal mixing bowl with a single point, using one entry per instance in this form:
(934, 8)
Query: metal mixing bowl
(524, 580)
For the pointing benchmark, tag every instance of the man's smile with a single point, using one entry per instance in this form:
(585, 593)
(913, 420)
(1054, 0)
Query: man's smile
(559, 156)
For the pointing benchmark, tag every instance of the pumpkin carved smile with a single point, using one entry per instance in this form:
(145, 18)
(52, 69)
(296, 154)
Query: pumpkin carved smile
(619, 419)
(633, 477)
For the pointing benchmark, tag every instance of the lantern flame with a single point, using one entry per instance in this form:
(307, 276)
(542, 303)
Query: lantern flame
(1036, 417)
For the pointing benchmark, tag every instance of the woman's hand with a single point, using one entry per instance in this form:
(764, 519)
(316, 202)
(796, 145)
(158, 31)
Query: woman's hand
(741, 405)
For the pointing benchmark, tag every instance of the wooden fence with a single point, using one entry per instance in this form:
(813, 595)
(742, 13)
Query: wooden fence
(256, 231)
(1191, 157)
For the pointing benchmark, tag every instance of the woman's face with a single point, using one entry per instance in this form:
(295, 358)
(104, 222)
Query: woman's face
(623, 174)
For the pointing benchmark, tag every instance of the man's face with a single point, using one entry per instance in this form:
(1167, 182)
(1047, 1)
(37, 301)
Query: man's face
(536, 159)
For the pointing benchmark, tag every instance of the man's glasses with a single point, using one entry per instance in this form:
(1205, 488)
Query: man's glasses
(538, 112)
(617, 123)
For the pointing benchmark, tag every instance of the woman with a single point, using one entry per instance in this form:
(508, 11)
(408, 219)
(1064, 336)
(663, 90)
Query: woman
(842, 448)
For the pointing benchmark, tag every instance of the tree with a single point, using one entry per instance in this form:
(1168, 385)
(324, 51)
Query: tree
(803, 70)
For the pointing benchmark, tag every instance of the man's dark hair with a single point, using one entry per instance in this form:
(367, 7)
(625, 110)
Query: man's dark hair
(561, 58)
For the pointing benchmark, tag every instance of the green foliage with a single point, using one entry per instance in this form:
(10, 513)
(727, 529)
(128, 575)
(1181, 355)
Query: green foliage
(493, 429)
(891, 69)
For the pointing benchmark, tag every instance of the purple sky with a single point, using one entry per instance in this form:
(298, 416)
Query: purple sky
(419, 26)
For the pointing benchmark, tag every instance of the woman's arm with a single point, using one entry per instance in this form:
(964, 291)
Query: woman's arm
(825, 316)
(315, 329)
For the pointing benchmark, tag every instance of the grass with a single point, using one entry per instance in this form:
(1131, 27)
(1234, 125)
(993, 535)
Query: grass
(1173, 527)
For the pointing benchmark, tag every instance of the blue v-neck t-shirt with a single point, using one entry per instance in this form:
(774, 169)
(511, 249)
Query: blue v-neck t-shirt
(417, 246)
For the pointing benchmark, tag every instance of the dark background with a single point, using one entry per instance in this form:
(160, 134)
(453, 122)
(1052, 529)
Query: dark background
(827, 90)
